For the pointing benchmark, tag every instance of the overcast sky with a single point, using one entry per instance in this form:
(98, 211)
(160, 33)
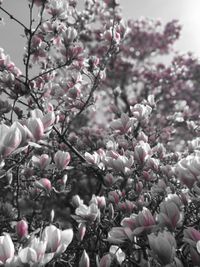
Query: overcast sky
(187, 11)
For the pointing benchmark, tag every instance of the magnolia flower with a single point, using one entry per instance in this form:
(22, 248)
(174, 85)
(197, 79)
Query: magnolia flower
(187, 169)
(7, 249)
(34, 253)
(62, 159)
(69, 35)
(99, 200)
(81, 231)
(76, 201)
(57, 240)
(85, 260)
(22, 229)
(144, 222)
(141, 112)
(122, 125)
(44, 184)
(118, 235)
(87, 213)
(118, 162)
(163, 246)
(170, 214)
(36, 127)
(118, 253)
(41, 161)
(106, 260)
(11, 138)
(58, 9)
(142, 152)
(192, 237)
(39, 123)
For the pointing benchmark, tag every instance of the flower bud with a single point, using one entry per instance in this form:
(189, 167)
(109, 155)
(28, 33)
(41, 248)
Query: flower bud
(76, 201)
(36, 127)
(62, 159)
(44, 184)
(48, 119)
(70, 35)
(81, 231)
(85, 260)
(142, 152)
(106, 261)
(22, 229)
(111, 212)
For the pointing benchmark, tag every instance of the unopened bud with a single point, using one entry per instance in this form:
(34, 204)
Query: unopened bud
(22, 229)
(85, 260)
(81, 231)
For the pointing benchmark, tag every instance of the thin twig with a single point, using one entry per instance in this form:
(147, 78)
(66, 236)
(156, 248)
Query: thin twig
(13, 18)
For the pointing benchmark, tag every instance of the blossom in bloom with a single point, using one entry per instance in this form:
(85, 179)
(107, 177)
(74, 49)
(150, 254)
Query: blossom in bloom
(119, 163)
(57, 240)
(99, 200)
(34, 253)
(144, 221)
(41, 161)
(122, 125)
(7, 249)
(58, 9)
(118, 235)
(141, 112)
(169, 215)
(87, 213)
(163, 246)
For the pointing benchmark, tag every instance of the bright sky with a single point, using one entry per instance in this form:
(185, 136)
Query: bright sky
(187, 11)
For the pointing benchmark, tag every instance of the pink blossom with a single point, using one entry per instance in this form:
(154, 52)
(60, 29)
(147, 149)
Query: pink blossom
(62, 159)
(57, 240)
(22, 229)
(163, 246)
(44, 184)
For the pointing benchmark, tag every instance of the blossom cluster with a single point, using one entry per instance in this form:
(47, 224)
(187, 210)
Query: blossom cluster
(99, 142)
